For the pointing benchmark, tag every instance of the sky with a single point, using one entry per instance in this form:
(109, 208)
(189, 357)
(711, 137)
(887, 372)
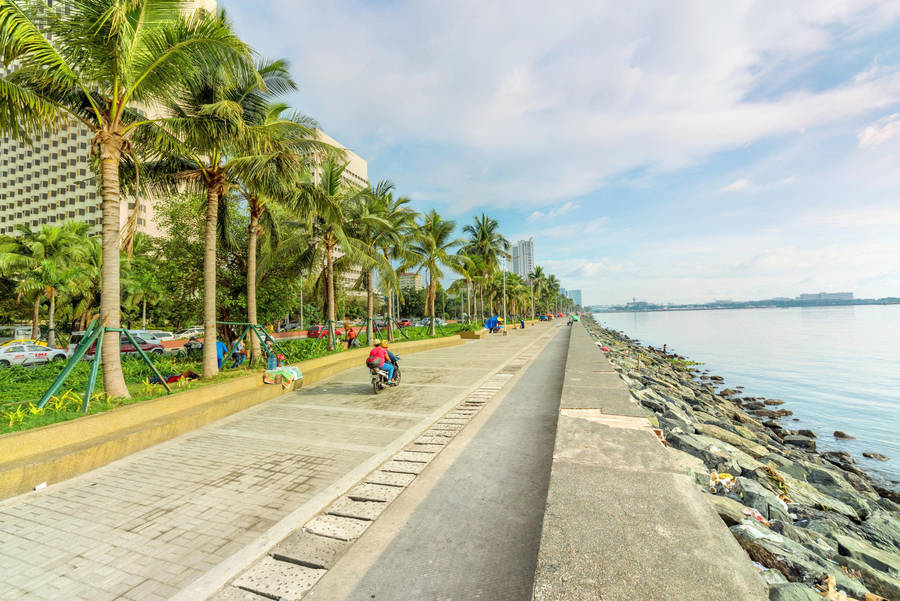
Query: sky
(682, 151)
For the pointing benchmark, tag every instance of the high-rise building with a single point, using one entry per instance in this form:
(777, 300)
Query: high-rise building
(51, 180)
(575, 295)
(523, 257)
(411, 280)
(356, 176)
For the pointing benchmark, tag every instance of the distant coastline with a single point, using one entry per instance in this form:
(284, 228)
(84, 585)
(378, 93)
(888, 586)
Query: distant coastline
(637, 307)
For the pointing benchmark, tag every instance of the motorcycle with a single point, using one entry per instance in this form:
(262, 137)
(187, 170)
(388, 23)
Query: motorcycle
(380, 377)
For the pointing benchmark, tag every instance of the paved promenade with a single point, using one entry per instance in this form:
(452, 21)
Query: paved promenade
(182, 518)
(469, 527)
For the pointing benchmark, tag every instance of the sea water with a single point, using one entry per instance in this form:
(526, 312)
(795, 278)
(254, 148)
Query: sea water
(836, 368)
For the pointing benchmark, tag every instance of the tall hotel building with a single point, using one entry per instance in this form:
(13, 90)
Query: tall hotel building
(523, 258)
(50, 180)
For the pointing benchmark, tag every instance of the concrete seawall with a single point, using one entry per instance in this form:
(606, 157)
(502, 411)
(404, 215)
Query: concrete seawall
(623, 519)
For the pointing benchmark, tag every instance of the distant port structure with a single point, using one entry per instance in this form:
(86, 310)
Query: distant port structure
(814, 299)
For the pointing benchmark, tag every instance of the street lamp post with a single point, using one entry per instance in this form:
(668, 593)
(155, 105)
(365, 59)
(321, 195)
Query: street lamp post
(504, 294)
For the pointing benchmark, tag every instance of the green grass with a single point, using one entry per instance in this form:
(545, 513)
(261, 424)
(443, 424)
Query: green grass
(22, 387)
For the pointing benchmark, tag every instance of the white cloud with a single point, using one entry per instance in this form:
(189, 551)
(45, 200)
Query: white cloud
(552, 106)
(735, 186)
(880, 132)
(566, 207)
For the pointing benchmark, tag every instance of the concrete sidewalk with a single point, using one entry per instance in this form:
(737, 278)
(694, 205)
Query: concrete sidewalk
(181, 518)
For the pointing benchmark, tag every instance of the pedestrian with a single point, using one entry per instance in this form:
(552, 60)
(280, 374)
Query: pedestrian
(352, 340)
(238, 355)
(221, 349)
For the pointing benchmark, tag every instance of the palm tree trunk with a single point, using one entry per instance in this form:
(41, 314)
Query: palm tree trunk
(51, 323)
(370, 306)
(255, 351)
(36, 316)
(432, 292)
(390, 314)
(329, 292)
(210, 363)
(144, 315)
(110, 296)
(482, 304)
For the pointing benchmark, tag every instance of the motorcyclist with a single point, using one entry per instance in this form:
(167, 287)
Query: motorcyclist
(391, 357)
(378, 359)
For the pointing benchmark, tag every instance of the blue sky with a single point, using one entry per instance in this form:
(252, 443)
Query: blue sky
(669, 151)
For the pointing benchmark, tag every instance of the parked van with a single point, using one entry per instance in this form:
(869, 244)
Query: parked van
(8, 333)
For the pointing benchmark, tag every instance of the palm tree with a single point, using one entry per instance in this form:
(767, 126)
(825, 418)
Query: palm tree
(538, 280)
(97, 63)
(334, 198)
(390, 240)
(291, 138)
(489, 246)
(435, 249)
(224, 132)
(46, 262)
(552, 291)
(373, 232)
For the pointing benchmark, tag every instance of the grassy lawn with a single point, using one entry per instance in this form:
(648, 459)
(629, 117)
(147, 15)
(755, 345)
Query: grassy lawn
(22, 387)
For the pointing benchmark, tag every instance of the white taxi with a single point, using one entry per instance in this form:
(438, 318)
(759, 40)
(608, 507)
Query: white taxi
(28, 354)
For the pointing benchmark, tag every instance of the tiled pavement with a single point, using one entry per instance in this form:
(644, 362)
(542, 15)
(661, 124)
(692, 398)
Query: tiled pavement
(146, 527)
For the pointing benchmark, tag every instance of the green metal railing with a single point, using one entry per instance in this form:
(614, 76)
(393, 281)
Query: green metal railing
(94, 333)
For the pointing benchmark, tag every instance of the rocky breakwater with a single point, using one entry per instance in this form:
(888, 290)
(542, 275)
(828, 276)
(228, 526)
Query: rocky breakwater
(802, 516)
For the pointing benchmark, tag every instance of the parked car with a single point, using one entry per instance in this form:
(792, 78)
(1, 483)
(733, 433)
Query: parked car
(189, 333)
(25, 341)
(427, 322)
(28, 354)
(404, 323)
(125, 346)
(322, 332)
(147, 335)
(10, 333)
(162, 335)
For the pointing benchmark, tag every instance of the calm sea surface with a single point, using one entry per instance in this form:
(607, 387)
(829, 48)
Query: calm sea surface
(836, 368)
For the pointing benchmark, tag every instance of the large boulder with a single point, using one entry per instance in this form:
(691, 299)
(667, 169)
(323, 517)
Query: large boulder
(731, 512)
(831, 483)
(690, 465)
(804, 442)
(793, 591)
(793, 560)
(753, 449)
(883, 529)
(762, 499)
(880, 569)
(711, 451)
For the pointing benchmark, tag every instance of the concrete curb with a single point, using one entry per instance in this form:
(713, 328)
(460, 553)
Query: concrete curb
(61, 451)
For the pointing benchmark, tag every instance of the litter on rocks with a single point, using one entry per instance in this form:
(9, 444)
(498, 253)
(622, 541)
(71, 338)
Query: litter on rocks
(756, 515)
(720, 482)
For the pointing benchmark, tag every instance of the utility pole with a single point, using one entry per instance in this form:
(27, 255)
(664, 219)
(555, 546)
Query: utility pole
(504, 294)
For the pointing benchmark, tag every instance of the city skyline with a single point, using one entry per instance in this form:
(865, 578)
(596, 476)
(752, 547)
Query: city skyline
(743, 152)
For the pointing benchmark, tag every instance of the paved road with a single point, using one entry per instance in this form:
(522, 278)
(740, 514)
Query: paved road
(198, 508)
(469, 527)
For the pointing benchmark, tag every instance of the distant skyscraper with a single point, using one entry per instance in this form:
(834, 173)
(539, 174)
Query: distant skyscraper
(575, 295)
(523, 257)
